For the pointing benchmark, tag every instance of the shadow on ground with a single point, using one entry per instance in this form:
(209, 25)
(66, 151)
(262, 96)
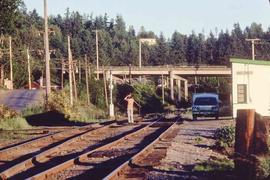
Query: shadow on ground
(51, 119)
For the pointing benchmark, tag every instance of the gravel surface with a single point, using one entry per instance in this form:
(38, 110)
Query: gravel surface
(190, 147)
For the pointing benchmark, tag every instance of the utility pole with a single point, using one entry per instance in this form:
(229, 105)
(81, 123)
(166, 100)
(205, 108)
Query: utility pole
(253, 42)
(29, 69)
(87, 82)
(47, 53)
(70, 73)
(10, 61)
(140, 57)
(97, 54)
(62, 73)
(80, 73)
(74, 81)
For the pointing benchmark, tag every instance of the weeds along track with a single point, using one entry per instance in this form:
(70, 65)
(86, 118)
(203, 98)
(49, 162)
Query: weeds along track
(98, 162)
(39, 156)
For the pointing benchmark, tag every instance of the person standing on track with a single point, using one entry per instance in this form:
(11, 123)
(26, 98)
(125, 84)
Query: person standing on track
(130, 103)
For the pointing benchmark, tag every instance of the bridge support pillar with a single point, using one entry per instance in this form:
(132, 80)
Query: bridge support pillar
(172, 85)
(186, 90)
(179, 89)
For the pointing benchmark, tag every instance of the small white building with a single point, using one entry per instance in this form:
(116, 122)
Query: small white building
(251, 85)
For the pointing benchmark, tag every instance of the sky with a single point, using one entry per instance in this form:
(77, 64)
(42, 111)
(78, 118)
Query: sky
(167, 16)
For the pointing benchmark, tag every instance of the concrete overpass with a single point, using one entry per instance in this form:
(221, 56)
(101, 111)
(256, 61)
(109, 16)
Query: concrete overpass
(166, 70)
(174, 73)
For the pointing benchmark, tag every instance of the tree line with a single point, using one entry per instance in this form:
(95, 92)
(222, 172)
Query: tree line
(118, 44)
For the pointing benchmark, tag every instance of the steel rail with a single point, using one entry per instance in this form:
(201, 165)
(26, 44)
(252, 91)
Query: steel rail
(117, 172)
(29, 162)
(46, 174)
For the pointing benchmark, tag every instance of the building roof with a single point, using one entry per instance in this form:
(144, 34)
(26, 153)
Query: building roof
(249, 61)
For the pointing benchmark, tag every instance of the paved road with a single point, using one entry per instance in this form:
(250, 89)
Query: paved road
(21, 98)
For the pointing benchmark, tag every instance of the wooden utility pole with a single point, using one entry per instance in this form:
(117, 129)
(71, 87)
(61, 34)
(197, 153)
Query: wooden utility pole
(74, 81)
(87, 81)
(29, 69)
(10, 61)
(70, 73)
(97, 53)
(62, 73)
(253, 42)
(47, 53)
(80, 72)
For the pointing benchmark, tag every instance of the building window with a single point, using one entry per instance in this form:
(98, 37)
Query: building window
(241, 93)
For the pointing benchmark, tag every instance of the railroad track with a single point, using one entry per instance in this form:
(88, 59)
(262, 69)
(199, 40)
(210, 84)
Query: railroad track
(42, 158)
(141, 163)
(96, 163)
(15, 153)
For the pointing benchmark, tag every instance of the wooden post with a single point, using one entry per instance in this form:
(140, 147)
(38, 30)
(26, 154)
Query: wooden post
(10, 61)
(87, 81)
(244, 131)
(70, 73)
(29, 69)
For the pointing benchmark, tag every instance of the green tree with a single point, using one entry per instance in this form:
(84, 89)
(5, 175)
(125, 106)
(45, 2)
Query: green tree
(177, 45)
(8, 15)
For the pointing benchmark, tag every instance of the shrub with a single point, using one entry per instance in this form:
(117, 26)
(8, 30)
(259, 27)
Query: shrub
(6, 112)
(263, 168)
(33, 110)
(225, 137)
(59, 102)
(14, 124)
(215, 165)
(144, 94)
(97, 93)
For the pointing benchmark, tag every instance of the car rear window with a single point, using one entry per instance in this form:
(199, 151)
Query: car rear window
(205, 101)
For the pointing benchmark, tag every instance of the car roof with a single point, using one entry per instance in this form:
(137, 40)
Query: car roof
(205, 95)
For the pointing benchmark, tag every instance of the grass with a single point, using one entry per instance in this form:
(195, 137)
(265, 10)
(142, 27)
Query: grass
(14, 124)
(33, 110)
(221, 165)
